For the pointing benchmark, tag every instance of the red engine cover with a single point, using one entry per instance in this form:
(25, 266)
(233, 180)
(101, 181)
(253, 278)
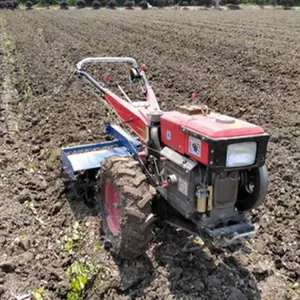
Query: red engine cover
(212, 126)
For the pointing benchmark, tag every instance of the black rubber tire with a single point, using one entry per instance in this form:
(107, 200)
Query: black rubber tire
(135, 194)
(248, 201)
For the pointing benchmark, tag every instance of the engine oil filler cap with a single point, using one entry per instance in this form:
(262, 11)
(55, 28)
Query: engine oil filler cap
(225, 120)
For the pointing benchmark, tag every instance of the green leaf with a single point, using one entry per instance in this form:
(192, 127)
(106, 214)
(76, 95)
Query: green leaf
(68, 245)
(75, 285)
(40, 290)
(72, 296)
(83, 280)
(76, 225)
(38, 294)
(75, 236)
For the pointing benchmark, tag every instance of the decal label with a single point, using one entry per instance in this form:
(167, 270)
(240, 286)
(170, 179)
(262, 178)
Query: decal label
(168, 134)
(182, 186)
(195, 146)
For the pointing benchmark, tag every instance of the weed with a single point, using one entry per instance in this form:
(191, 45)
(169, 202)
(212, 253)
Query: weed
(3, 176)
(295, 286)
(30, 206)
(41, 33)
(31, 167)
(198, 241)
(38, 294)
(68, 242)
(28, 95)
(190, 257)
(80, 274)
(53, 161)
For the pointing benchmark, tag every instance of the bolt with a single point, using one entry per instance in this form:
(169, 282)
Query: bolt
(107, 245)
(117, 205)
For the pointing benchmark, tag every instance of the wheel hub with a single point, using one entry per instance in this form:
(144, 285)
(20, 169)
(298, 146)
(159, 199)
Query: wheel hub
(113, 207)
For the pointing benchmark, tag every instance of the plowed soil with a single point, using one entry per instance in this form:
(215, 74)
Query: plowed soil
(242, 63)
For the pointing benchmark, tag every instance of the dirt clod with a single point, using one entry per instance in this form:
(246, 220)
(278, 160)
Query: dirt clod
(7, 266)
(261, 269)
(25, 258)
(236, 295)
(24, 196)
(56, 208)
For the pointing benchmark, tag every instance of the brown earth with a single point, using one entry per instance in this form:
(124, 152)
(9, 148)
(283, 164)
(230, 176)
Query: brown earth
(242, 63)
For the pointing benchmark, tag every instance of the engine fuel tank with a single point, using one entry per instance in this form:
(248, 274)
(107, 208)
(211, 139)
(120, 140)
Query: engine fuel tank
(176, 129)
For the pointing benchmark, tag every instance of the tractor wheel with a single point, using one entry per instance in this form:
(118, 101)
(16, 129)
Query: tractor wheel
(254, 193)
(124, 198)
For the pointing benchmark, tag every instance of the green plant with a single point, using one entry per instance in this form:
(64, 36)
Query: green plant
(30, 206)
(159, 3)
(143, 5)
(129, 4)
(28, 5)
(96, 4)
(71, 2)
(112, 4)
(80, 4)
(287, 3)
(80, 273)
(233, 2)
(63, 5)
(205, 2)
(68, 241)
(38, 294)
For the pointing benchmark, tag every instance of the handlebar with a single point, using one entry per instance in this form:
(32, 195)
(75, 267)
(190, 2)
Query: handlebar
(106, 60)
(100, 85)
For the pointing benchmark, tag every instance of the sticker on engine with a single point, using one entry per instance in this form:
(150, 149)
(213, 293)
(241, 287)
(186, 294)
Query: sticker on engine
(183, 186)
(168, 134)
(194, 146)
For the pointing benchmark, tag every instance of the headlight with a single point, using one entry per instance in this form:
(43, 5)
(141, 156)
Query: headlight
(242, 154)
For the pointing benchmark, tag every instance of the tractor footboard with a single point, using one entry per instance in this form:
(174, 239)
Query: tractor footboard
(224, 235)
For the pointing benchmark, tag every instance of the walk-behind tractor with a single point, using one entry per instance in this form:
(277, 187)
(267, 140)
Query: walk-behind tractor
(203, 170)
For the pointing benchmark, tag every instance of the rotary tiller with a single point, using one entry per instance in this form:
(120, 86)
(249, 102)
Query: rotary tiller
(193, 168)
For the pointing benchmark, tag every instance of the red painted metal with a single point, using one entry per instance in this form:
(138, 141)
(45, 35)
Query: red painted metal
(142, 154)
(136, 118)
(171, 134)
(113, 207)
(151, 99)
(106, 76)
(143, 67)
(208, 126)
(165, 183)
